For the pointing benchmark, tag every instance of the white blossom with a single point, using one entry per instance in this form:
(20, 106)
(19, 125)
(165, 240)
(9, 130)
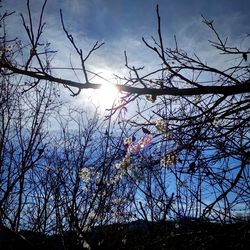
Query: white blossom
(161, 125)
(91, 215)
(117, 201)
(169, 159)
(125, 163)
(85, 174)
(117, 177)
(150, 98)
(128, 140)
(46, 169)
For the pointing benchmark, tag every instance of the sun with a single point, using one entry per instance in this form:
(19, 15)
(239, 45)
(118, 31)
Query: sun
(105, 97)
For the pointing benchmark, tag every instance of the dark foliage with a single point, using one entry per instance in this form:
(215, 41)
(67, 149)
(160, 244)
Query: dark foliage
(182, 234)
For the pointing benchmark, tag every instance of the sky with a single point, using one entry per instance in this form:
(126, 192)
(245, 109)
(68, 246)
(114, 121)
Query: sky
(113, 19)
(122, 23)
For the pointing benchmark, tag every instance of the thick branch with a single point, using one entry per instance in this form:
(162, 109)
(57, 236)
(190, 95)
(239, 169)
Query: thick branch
(203, 90)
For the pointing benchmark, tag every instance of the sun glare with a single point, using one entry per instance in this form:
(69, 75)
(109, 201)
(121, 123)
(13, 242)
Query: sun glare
(106, 96)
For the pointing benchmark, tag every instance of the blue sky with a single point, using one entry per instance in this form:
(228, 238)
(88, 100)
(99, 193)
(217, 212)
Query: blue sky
(121, 25)
(114, 21)
(111, 19)
(107, 19)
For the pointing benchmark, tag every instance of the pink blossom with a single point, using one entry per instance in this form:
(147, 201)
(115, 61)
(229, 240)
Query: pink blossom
(138, 146)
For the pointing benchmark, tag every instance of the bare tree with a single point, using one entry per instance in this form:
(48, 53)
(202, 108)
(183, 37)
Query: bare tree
(189, 134)
(23, 119)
